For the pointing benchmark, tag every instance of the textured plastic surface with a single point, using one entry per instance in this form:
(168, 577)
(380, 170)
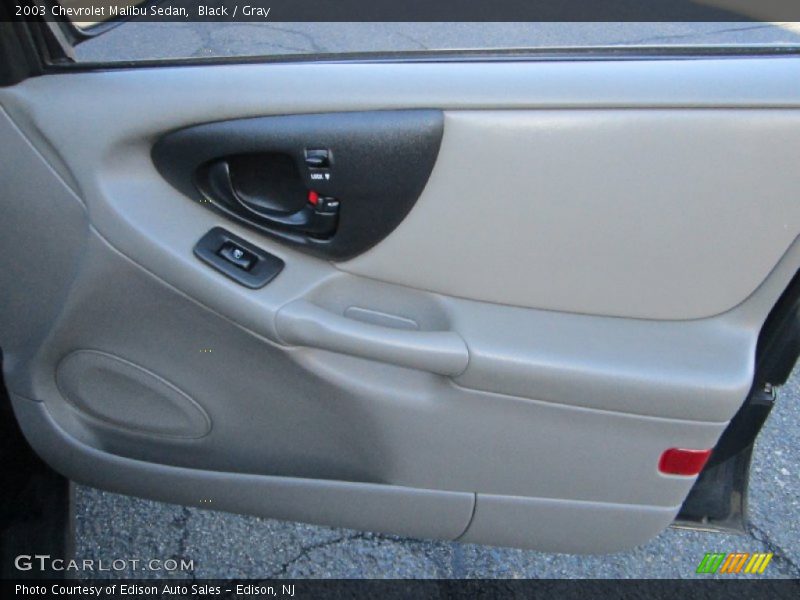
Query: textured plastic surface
(303, 323)
(552, 525)
(598, 390)
(381, 162)
(317, 414)
(634, 213)
(113, 390)
(97, 100)
(404, 511)
(563, 525)
(38, 262)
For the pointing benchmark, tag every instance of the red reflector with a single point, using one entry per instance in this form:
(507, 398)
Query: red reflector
(680, 461)
(313, 197)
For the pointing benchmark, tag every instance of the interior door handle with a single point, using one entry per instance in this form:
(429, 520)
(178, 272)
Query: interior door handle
(305, 324)
(310, 220)
(368, 167)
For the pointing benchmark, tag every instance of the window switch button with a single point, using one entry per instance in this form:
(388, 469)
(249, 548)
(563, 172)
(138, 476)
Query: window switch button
(238, 259)
(237, 256)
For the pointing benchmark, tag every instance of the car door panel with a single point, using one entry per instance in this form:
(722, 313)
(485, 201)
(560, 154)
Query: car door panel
(639, 212)
(376, 507)
(372, 423)
(570, 296)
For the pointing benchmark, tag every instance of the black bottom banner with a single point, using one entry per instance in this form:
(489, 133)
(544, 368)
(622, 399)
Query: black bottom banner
(410, 589)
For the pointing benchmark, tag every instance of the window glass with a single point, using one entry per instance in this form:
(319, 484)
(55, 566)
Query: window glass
(142, 41)
(117, 37)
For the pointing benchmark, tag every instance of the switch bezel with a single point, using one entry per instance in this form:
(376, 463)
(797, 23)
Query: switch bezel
(265, 268)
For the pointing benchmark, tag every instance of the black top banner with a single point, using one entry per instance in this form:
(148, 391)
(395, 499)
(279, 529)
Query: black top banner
(411, 10)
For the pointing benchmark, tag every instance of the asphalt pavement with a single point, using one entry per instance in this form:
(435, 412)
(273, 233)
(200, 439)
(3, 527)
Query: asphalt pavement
(109, 526)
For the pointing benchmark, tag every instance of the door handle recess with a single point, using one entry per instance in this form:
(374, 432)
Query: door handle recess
(309, 220)
(376, 163)
(302, 323)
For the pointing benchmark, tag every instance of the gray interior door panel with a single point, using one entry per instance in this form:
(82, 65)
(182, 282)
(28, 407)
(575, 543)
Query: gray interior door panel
(640, 213)
(578, 288)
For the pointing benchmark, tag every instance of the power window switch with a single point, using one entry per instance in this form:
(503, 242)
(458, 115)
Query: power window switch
(237, 256)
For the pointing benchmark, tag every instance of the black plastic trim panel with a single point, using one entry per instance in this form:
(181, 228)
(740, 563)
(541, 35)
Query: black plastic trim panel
(381, 161)
(18, 56)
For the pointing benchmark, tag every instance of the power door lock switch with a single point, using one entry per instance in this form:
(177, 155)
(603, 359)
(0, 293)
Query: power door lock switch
(318, 159)
(237, 256)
